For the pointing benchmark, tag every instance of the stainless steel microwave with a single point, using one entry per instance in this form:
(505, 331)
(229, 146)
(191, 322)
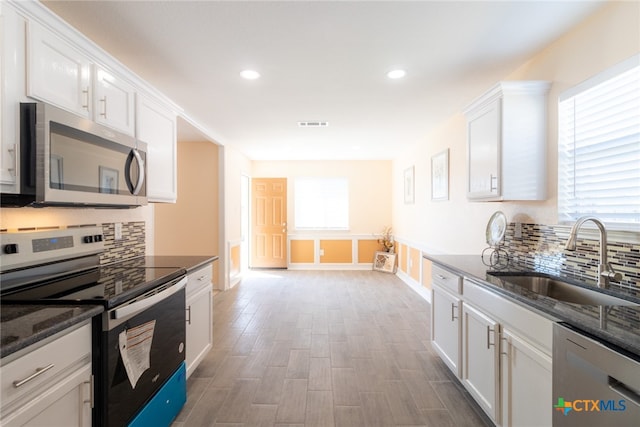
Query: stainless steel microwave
(68, 160)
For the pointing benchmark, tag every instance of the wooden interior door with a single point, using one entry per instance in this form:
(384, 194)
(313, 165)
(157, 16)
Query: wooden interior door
(269, 223)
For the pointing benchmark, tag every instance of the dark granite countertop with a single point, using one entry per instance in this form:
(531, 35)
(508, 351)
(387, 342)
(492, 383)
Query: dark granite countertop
(622, 328)
(22, 325)
(188, 262)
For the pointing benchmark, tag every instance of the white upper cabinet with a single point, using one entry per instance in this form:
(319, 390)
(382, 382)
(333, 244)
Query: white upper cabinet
(156, 126)
(506, 142)
(113, 101)
(62, 75)
(57, 72)
(12, 91)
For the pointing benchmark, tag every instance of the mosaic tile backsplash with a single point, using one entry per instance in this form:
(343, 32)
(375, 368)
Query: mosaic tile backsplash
(131, 245)
(543, 247)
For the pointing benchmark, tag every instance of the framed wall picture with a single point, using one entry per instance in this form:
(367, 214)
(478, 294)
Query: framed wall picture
(108, 180)
(440, 176)
(409, 186)
(384, 261)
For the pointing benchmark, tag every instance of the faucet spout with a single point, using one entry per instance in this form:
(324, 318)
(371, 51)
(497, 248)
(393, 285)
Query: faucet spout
(605, 271)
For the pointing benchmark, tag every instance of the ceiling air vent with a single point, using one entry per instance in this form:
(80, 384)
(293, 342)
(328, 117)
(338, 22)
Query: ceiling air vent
(313, 124)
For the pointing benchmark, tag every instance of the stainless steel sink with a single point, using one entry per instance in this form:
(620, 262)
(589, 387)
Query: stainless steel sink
(562, 291)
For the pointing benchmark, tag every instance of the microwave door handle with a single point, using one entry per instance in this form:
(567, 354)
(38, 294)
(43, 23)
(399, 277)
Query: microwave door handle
(141, 305)
(140, 162)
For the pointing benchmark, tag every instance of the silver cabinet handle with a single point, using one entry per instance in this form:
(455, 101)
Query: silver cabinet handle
(37, 373)
(85, 105)
(506, 340)
(104, 107)
(189, 317)
(441, 277)
(91, 398)
(494, 178)
(489, 343)
(201, 278)
(453, 312)
(12, 150)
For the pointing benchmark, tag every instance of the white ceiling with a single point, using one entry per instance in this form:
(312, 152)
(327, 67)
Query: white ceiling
(321, 60)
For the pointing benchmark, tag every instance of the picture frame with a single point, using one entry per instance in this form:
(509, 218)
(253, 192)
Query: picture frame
(409, 186)
(108, 180)
(384, 261)
(440, 176)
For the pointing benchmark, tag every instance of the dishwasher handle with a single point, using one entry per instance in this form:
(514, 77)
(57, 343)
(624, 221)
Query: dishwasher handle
(138, 306)
(624, 391)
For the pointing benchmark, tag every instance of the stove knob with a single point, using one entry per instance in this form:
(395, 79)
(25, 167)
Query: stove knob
(88, 239)
(97, 238)
(11, 248)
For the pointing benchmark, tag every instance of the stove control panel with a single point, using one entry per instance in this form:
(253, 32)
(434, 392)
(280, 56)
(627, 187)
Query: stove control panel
(28, 248)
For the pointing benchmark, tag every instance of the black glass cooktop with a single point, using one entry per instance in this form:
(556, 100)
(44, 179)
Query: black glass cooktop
(109, 285)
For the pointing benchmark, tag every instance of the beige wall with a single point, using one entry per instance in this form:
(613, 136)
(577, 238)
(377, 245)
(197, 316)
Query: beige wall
(458, 226)
(190, 226)
(235, 165)
(369, 188)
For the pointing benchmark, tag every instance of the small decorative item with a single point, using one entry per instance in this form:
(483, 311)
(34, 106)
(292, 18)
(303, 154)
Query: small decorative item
(384, 261)
(494, 255)
(440, 176)
(108, 180)
(408, 186)
(386, 240)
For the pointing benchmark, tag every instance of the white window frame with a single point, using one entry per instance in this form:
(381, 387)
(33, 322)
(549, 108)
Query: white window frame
(567, 211)
(321, 203)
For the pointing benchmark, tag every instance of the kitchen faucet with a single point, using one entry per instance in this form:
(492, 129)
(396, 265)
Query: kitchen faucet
(605, 271)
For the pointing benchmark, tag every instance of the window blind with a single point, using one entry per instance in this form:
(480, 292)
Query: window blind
(321, 203)
(599, 148)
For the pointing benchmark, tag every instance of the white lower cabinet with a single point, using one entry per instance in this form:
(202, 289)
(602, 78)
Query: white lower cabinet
(481, 359)
(445, 327)
(199, 317)
(500, 350)
(51, 385)
(526, 381)
(66, 404)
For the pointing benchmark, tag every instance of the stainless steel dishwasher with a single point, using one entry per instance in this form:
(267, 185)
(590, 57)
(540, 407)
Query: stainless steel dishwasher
(593, 384)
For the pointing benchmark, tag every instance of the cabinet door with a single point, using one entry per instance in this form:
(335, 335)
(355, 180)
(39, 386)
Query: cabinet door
(57, 73)
(156, 126)
(483, 145)
(199, 327)
(12, 92)
(526, 383)
(445, 327)
(113, 101)
(480, 350)
(66, 404)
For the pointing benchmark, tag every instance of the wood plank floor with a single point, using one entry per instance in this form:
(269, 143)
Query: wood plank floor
(323, 348)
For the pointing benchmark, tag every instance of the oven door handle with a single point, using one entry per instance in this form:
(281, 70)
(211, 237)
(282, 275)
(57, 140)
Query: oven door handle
(141, 305)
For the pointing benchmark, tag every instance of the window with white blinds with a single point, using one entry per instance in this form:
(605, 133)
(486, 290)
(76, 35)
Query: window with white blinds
(321, 203)
(599, 148)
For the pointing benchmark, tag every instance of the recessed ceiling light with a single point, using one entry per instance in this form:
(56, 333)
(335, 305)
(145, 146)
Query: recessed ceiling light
(249, 74)
(396, 74)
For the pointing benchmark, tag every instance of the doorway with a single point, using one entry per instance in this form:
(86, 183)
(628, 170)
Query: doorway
(268, 246)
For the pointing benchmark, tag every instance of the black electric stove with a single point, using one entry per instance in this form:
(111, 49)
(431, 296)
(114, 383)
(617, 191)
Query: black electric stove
(59, 267)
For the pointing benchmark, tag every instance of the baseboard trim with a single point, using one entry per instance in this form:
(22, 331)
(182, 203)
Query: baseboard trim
(414, 285)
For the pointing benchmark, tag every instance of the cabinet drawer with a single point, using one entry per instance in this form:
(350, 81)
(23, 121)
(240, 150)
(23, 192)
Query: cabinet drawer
(62, 354)
(199, 278)
(446, 279)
